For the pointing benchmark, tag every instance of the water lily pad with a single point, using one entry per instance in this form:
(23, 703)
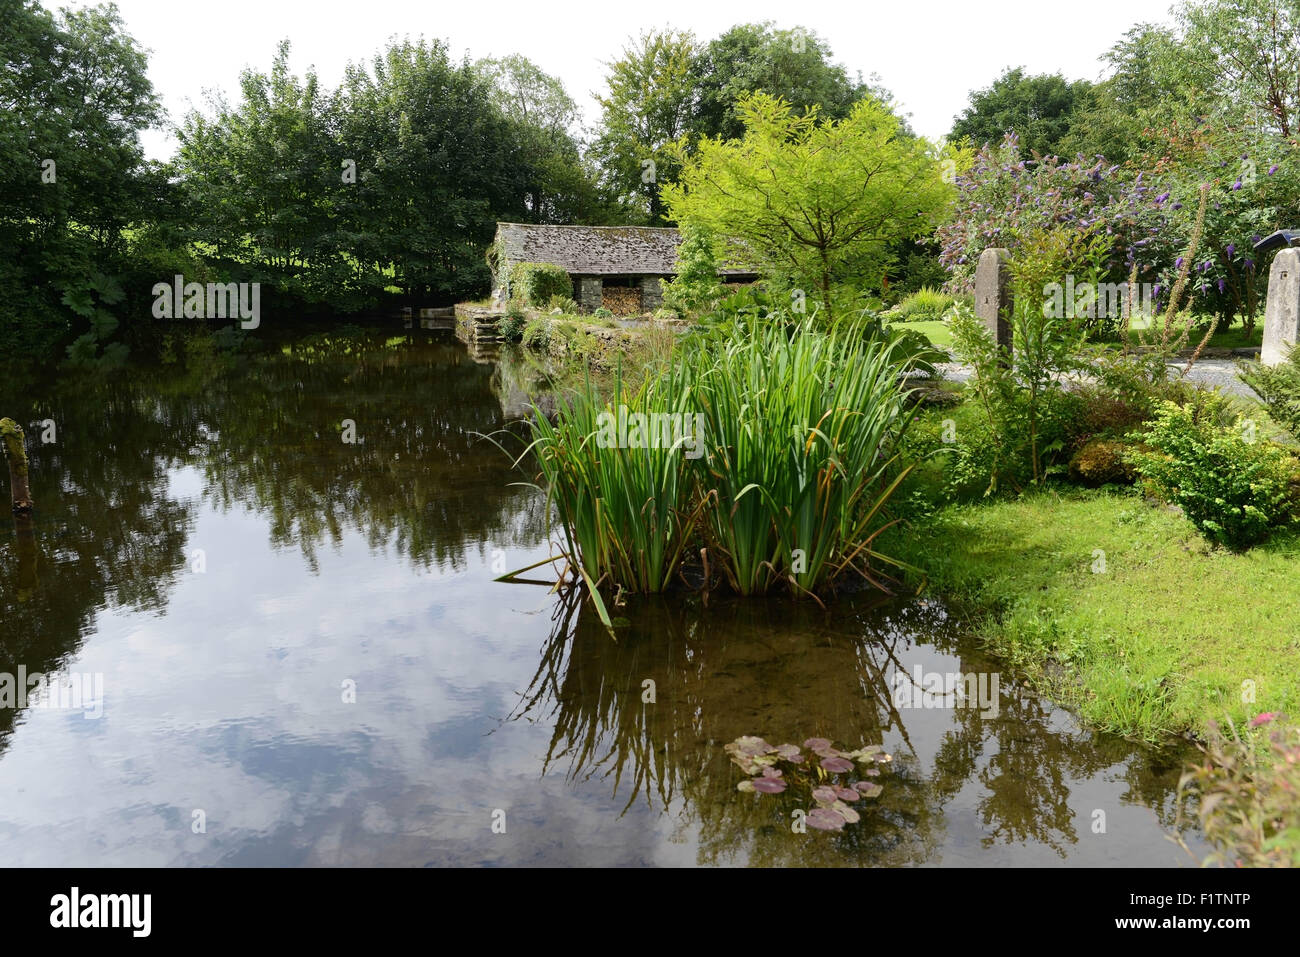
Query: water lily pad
(884, 758)
(824, 819)
(868, 789)
(847, 794)
(746, 785)
(789, 752)
(748, 744)
(772, 773)
(836, 764)
(817, 744)
(824, 795)
(843, 810)
(768, 785)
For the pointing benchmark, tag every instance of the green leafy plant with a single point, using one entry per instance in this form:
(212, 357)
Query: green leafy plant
(695, 288)
(1231, 485)
(85, 351)
(783, 476)
(1247, 792)
(538, 283)
(1278, 387)
(537, 334)
(927, 304)
(563, 303)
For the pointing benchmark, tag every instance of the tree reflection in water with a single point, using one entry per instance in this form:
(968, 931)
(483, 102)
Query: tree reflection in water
(787, 672)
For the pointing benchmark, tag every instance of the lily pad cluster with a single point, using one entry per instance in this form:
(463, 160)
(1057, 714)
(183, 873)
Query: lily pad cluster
(826, 773)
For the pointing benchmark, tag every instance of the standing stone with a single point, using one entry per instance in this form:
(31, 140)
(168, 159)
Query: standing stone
(652, 295)
(589, 292)
(1282, 312)
(993, 295)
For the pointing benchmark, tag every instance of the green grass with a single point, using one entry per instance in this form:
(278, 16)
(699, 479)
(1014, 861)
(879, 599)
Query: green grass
(1160, 642)
(1233, 337)
(936, 330)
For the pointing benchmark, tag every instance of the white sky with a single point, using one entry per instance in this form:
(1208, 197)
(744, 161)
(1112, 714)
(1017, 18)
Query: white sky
(930, 53)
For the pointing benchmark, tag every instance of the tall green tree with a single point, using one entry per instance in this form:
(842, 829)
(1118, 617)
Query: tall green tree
(1037, 108)
(74, 98)
(812, 203)
(649, 104)
(564, 187)
(794, 64)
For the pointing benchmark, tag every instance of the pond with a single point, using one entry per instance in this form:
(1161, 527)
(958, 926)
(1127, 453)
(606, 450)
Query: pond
(271, 574)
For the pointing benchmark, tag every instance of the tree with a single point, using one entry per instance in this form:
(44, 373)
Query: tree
(74, 96)
(1246, 53)
(794, 65)
(809, 202)
(648, 107)
(1037, 108)
(564, 187)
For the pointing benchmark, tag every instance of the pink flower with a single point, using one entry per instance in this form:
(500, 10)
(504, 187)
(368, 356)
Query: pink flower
(1262, 719)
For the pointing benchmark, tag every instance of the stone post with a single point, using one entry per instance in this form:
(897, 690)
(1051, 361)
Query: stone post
(1282, 311)
(993, 295)
(589, 293)
(15, 450)
(652, 296)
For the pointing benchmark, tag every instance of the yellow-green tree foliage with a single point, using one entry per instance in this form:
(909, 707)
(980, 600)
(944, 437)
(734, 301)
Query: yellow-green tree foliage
(815, 204)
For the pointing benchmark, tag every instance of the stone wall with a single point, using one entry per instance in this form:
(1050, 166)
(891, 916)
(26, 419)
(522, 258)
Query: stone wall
(587, 292)
(652, 296)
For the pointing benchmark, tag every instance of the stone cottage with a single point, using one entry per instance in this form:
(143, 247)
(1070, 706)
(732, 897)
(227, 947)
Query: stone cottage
(618, 267)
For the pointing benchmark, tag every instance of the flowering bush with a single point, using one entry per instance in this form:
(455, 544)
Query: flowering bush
(1006, 200)
(1254, 183)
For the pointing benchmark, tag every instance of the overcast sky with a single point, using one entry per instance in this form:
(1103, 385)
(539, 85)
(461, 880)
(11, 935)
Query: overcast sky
(931, 54)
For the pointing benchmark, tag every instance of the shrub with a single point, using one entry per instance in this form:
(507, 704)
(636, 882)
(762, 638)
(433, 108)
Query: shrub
(1279, 389)
(1232, 487)
(1249, 794)
(537, 334)
(924, 305)
(695, 288)
(563, 303)
(537, 283)
(1102, 462)
(600, 312)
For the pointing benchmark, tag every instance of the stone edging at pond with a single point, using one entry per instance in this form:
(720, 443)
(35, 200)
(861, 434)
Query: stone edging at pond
(571, 338)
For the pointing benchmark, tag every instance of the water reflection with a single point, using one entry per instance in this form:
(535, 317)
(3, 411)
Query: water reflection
(371, 560)
(1021, 777)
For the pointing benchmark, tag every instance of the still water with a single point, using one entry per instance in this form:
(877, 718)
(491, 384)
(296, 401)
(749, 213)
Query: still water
(305, 660)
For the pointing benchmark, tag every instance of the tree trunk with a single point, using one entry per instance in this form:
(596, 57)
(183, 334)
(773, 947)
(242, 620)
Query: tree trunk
(11, 434)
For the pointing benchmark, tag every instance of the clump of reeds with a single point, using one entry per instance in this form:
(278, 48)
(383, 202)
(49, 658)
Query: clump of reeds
(782, 482)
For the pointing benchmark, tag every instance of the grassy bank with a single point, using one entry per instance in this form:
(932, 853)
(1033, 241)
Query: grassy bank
(1119, 609)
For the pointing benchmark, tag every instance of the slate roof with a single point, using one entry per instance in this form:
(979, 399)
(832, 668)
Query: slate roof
(595, 250)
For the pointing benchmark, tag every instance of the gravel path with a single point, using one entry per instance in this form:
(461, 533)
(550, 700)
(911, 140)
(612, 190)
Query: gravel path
(1207, 372)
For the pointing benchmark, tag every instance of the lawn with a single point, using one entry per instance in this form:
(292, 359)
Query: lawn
(935, 330)
(1118, 608)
